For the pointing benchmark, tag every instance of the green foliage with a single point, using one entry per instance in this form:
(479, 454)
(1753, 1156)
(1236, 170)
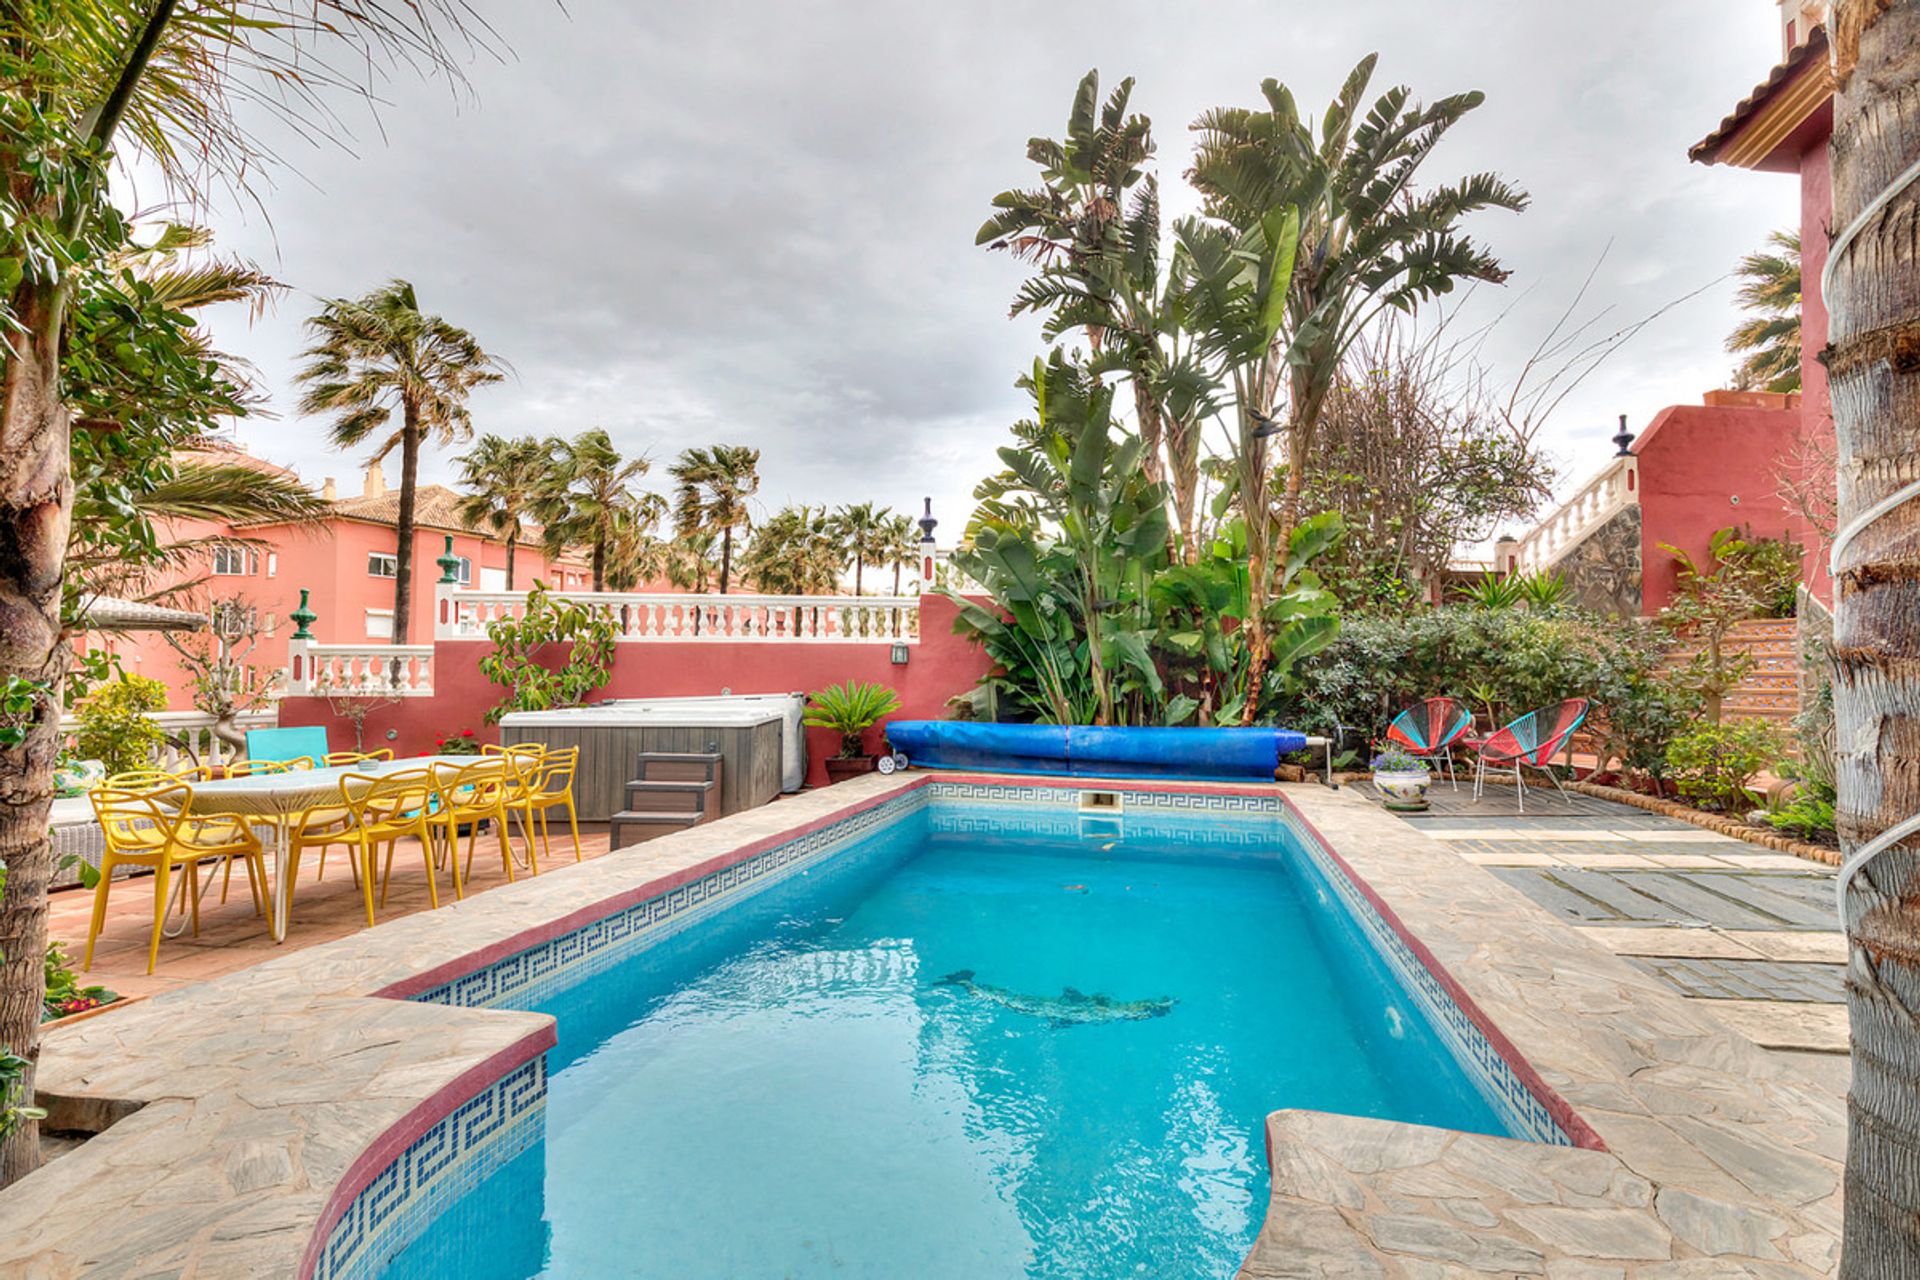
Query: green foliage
(1492, 591)
(20, 700)
(1744, 577)
(13, 1074)
(1770, 338)
(65, 994)
(1542, 589)
(1504, 662)
(115, 724)
(456, 744)
(514, 663)
(1806, 815)
(849, 710)
(1091, 623)
(1712, 764)
(711, 490)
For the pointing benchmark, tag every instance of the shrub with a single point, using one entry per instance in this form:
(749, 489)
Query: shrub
(1713, 763)
(1505, 662)
(1397, 760)
(531, 686)
(1807, 815)
(849, 710)
(115, 727)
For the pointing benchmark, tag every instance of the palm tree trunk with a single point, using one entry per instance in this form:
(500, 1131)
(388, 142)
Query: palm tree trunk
(896, 578)
(1874, 366)
(856, 575)
(36, 504)
(1146, 412)
(726, 557)
(513, 541)
(600, 564)
(403, 532)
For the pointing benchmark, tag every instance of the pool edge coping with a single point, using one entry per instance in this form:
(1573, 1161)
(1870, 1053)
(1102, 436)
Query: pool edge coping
(831, 809)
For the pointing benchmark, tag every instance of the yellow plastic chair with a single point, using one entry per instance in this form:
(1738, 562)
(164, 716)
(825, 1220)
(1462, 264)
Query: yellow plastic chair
(473, 794)
(335, 759)
(385, 810)
(148, 779)
(254, 768)
(156, 828)
(550, 786)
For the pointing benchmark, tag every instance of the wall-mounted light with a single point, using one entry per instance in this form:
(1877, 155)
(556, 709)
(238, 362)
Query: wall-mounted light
(899, 653)
(393, 735)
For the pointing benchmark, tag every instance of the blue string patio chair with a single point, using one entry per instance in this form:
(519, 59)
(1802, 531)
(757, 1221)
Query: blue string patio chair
(1530, 742)
(1429, 729)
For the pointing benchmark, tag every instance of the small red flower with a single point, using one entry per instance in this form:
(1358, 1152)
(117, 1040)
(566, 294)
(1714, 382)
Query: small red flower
(466, 733)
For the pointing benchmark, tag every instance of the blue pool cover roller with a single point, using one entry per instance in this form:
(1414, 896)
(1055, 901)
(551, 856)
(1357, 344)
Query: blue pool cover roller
(1094, 750)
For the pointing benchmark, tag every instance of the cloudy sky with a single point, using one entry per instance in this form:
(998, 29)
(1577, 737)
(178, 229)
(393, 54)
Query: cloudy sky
(753, 223)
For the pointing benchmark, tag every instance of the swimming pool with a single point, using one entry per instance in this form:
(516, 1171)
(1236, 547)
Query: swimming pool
(973, 1032)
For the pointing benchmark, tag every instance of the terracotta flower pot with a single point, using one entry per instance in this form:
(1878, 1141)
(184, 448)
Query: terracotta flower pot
(840, 768)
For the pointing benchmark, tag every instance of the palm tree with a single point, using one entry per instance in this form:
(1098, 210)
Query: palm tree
(1770, 290)
(505, 476)
(158, 81)
(863, 532)
(713, 488)
(902, 538)
(1304, 242)
(637, 554)
(587, 500)
(1874, 313)
(690, 564)
(799, 551)
(374, 354)
(1093, 231)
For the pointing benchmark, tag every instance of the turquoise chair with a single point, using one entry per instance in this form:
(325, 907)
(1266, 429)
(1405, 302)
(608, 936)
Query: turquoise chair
(309, 741)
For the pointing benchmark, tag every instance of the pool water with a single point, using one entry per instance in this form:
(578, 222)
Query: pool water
(968, 1046)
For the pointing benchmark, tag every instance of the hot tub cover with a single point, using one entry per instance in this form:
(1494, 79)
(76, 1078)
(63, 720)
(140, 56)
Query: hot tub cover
(1094, 750)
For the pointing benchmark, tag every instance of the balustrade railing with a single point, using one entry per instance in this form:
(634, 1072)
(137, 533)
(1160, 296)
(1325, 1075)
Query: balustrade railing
(639, 616)
(1611, 491)
(190, 736)
(359, 670)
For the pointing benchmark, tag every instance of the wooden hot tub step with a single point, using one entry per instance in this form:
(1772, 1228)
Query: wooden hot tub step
(632, 827)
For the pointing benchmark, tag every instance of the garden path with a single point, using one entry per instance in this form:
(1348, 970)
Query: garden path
(1748, 933)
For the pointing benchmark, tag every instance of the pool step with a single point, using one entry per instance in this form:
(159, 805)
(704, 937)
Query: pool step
(674, 790)
(631, 827)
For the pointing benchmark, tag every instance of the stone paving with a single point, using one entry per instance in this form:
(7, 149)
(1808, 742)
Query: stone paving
(241, 1102)
(1715, 919)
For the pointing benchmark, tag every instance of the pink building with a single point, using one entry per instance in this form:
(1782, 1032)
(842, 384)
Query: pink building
(344, 563)
(1696, 469)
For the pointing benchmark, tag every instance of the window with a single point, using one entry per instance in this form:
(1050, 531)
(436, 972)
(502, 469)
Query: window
(381, 564)
(273, 564)
(379, 624)
(465, 572)
(230, 562)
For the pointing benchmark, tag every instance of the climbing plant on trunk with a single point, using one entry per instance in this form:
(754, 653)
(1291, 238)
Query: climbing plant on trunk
(1873, 361)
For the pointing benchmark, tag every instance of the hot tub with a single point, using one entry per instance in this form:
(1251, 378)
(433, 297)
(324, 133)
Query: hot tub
(791, 706)
(749, 738)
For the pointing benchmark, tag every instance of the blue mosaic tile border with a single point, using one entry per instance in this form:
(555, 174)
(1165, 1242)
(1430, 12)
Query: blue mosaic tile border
(528, 978)
(441, 1165)
(1523, 1113)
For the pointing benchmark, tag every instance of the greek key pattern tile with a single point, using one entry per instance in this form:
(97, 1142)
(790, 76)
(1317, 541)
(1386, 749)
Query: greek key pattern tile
(440, 1166)
(528, 978)
(1524, 1113)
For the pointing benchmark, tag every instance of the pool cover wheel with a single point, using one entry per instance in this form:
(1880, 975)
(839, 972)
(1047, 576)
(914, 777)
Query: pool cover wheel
(892, 763)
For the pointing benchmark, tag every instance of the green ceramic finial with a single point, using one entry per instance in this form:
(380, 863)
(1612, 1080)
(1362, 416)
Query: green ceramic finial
(449, 565)
(305, 617)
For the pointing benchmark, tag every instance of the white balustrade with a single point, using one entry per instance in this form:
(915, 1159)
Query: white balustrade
(359, 670)
(190, 738)
(1610, 492)
(732, 618)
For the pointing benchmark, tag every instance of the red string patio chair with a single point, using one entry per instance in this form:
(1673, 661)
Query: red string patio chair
(1429, 729)
(1530, 742)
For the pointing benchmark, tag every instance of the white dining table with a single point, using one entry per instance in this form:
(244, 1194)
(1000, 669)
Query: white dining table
(273, 800)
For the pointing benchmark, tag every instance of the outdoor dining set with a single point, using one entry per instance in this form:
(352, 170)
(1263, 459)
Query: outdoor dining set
(292, 797)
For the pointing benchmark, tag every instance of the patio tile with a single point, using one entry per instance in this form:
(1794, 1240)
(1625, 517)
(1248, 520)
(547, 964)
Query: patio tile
(1821, 1028)
(1827, 948)
(1698, 943)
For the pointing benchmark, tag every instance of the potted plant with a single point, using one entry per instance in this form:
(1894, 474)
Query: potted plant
(462, 743)
(1401, 779)
(849, 710)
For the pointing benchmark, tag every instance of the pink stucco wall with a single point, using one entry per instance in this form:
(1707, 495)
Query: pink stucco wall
(939, 668)
(1816, 212)
(329, 560)
(1704, 467)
